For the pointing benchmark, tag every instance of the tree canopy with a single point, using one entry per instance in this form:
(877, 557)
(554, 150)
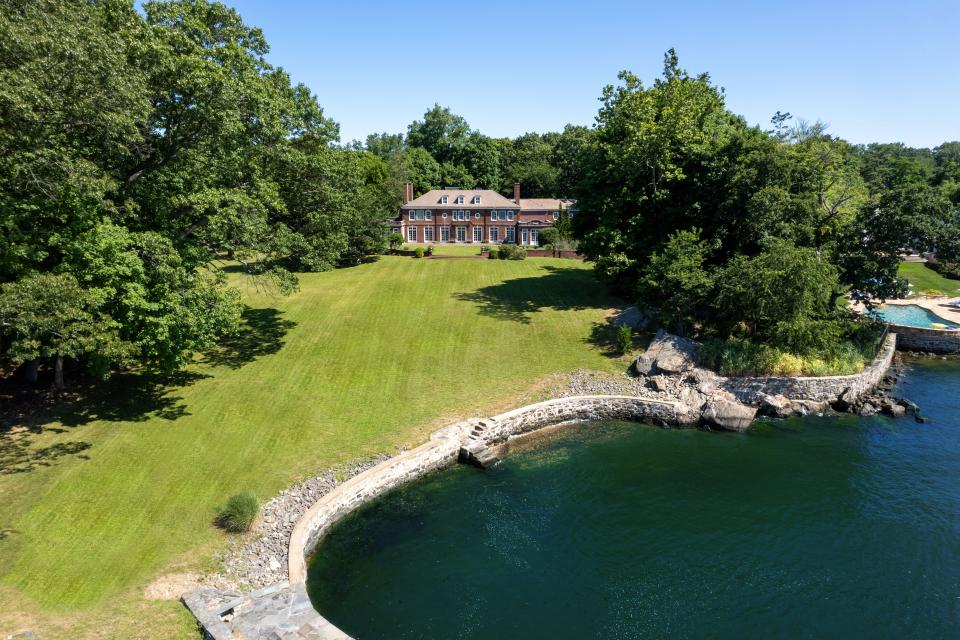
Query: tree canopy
(142, 152)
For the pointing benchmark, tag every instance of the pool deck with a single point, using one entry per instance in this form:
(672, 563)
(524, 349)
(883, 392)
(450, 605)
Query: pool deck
(937, 305)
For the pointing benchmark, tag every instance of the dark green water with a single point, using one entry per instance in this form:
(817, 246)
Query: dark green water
(810, 528)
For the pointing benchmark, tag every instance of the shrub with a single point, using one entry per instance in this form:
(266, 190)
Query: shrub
(494, 253)
(395, 240)
(511, 252)
(550, 235)
(933, 292)
(624, 338)
(238, 514)
(418, 252)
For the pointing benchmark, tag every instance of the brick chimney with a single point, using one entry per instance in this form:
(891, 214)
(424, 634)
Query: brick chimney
(407, 192)
(516, 192)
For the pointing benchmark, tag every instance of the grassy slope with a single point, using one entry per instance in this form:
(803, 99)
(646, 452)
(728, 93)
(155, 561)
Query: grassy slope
(359, 361)
(923, 277)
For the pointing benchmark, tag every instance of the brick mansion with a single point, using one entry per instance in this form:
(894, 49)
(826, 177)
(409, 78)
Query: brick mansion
(476, 216)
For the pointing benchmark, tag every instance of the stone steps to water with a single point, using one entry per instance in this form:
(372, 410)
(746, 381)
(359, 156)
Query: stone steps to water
(478, 453)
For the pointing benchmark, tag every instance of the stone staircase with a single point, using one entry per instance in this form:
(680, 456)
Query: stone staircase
(475, 450)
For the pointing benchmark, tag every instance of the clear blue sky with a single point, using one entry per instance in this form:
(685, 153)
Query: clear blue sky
(878, 70)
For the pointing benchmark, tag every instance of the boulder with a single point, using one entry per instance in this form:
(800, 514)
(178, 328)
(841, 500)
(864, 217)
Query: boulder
(724, 411)
(667, 353)
(692, 398)
(803, 407)
(776, 405)
(867, 409)
(910, 406)
(894, 410)
(645, 364)
(660, 383)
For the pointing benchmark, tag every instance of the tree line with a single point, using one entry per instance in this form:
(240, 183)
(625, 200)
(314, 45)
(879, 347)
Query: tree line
(146, 156)
(750, 237)
(142, 157)
(442, 150)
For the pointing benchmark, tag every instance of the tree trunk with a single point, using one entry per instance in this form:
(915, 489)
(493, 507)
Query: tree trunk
(30, 368)
(58, 374)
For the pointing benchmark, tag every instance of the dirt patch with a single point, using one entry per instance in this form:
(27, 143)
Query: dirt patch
(172, 586)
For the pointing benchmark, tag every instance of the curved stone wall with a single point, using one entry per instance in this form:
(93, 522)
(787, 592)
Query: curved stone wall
(818, 389)
(444, 446)
(929, 340)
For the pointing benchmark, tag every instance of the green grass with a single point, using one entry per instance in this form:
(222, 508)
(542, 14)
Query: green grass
(451, 249)
(122, 487)
(923, 277)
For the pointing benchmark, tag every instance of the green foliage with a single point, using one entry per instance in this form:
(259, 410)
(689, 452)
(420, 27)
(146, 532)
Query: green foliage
(511, 252)
(141, 149)
(784, 284)
(240, 512)
(395, 240)
(494, 253)
(550, 235)
(740, 357)
(624, 339)
(675, 280)
(48, 315)
(418, 252)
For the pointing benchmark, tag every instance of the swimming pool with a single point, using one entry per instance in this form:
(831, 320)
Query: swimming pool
(911, 315)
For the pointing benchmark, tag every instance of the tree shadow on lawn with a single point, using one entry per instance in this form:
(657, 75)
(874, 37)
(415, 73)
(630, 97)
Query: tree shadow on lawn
(561, 289)
(261, 333)
(603, 336)
(126, 397)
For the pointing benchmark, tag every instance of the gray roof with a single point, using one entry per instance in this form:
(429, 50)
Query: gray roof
(488, 200)
(545, 204)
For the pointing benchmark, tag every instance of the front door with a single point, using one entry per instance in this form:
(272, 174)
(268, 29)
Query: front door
(461, 234)
(478, 234)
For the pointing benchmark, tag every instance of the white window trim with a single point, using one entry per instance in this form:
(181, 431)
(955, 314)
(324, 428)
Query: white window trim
(459, 200)
(428, 214)
(412, 214)
(443, 199)
(509, 214)
(428, 234)
(411, 231)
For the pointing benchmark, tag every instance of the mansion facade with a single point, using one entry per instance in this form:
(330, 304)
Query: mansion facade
(476, 216)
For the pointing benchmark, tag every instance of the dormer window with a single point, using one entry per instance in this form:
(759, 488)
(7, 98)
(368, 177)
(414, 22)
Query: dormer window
(443, 199)
(476, 199)
(459, 199)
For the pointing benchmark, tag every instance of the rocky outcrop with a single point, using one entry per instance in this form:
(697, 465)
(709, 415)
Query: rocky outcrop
(724, 411)
(669, 369)
(668, 354)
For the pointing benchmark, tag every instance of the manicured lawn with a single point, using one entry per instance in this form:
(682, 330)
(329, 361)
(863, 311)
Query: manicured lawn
(923, 277)
(450, 249)
(114, 491)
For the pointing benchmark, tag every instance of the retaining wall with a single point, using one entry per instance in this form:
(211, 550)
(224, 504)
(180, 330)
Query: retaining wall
(443, 448)
(819, 389)
(930, 340)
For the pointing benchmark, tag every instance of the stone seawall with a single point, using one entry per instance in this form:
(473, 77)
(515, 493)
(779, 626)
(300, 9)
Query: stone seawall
(751, 390)
(284, 609)
(443, 449)
(928, 340)
(550, 412)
